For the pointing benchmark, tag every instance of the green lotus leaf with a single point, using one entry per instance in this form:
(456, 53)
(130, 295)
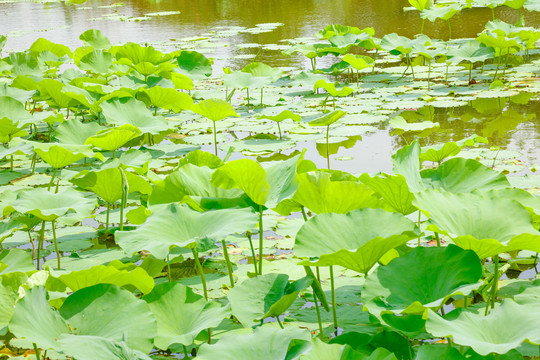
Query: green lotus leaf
(95, 39)
(264, 186)
(359, 62)
(497, 39)
(10, 129)
(96, 61)
(115, 273)
(107, 183)
(421, 4)
(407, 163)
(484, 223)
(327, 119)
(113, 138)
(83, 347)
(214, 109)
(53, 91)
(62, 155)
(18, 94)
(317, 192)
(394, 191)
(75, 132)
(428, 352)
(25, 65)
(178, 225)
(136, 54)
(515, 4)
(41, 45)
(241, 80)
(331, 88)
(471, 51)
(15, 260)
(421, 279)
(483, 333)
(398, 122)
(135, 159)
(181, 81)
(13, 109)
(130, 111)
(356, 240)
(260, 70)
(264, 296)
(181, 314)
(9, 294)
(194, 64)
(264, 343)
(166, 98)
(201, 158)
(49, 206)
(284, 115)
(100, 310)
(396, 44)
(443, 12)
(190, 180)
(324, 351)
(460, 175)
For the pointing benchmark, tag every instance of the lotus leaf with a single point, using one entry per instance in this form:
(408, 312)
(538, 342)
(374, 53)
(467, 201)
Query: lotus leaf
(130, 111)
(264, 296)
(394, 191)
(437, 272)
(84, 347)
(75, 132)
(95, 39)
(166, 98)
(178, 225)
(214, 109)
(194, 64)
(114, 138)
(181, 314)
(356, 240)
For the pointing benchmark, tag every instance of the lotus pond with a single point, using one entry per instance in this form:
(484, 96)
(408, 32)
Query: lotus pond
(347, 195)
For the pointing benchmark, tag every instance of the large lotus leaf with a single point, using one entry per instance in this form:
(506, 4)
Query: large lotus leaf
(13, 109)
(49, 206)
(260, 70)
(327, 119)
(75, 132)
(505, 328)
(264, 296)
(497, 39)
(443, 12)
(331, 88)
(423, 278)
(515, 4)
(201, 158)
(442, 352)
(358, 62)
(9, 294)
(189, 180)
(356, 240)
(181, 314)
(178, 225)
(317, 192)
(214, 109)
(282, 179)
(470, 51)
(137, 54)
(107, 183)
(394, 191)
(18, 94)
(134, 112)
(166, 98)
(239, 79)
(95, 39)
(460, 175)
(324, 351)
(421, 4)
(407, 163)
(181, 81)
(53, 90)
(284, 115)
(267, 343)
(62, 155)
(485, 223)
(96, 61)
(398, 122)
(194, 64)
(83, 347)
(16, 260)
(114, 138)
(10, 129)
(396, 44)
(114, 273)
(42, 44)
(24, 64)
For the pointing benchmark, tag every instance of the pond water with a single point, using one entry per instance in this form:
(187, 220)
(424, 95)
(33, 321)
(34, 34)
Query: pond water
(513, 126)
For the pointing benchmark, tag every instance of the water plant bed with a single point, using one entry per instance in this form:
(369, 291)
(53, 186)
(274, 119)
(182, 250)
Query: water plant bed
(155, 205)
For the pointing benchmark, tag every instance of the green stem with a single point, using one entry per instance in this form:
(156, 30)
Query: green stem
(333, 290)
(36, 350)
(34, 160)
(201, 272)
(261, 238)
(316, 287)
(40, 243)
(304, 213)
(247, 91)
(319, 319)
(327, 147)
(494, 285)
(248, 234)
(438, 239)
(279, 322)
(123, 203)
(419, 217)
(107, 220)
(261, 97)
(228, 261)
(279, 128)
(324, 101)
(52, 180)
(11, 162)
(374, 60)
(55, 244)
(422, 27)
(506, 62)
(449, 30)
(497, 69)
(169, 268)
(493, 13)
(32, 242)
(412, 67)
(429, 76)
(470, 73)
(215, 138)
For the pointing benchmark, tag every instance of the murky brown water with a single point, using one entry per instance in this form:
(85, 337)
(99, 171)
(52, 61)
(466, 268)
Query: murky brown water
(26, 21)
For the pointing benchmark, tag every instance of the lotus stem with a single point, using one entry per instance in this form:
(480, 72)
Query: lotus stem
(333, 290)
(411, 65)
(34, 160)
(215, 138)
(107, 220)
(327, 148)
(334, 102)
(52, 180)
(123, 202)
(228, 261)
(494, 285)
(32, 243)
(279, 322)
(304, 213)
(422, 27)
(36, 351)
(261, 238)
(407, 68)
(438, 239)
(248, 234)
(497, 69)
(506, 62)
(169, 268)
(324, 101)
(470, 73)
(419, 217)
(319, 319)
(262, 97)
(279, 129)
(449, 29)
(317, 289)
(429, 76)
(247, 92)
(493, 13)
(40, 243)
(374, 60)
(11, 162)
(55, 244)
(201, 272)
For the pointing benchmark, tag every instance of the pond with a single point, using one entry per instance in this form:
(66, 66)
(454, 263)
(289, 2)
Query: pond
(229, 35)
